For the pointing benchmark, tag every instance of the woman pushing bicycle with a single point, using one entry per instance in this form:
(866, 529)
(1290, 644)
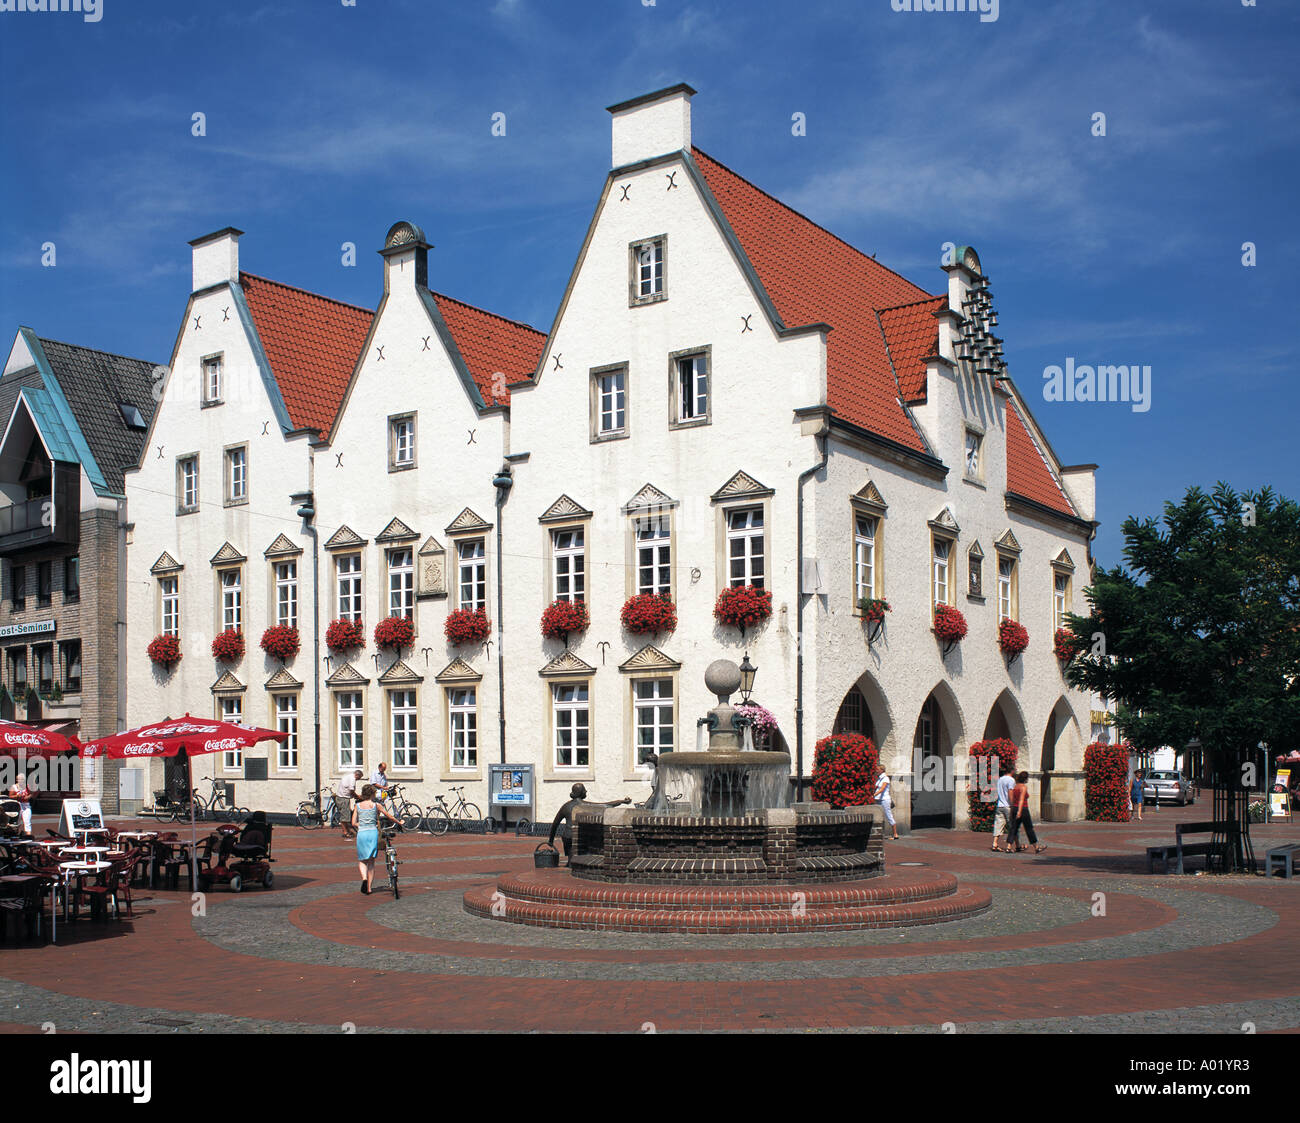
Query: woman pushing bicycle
(365, 821)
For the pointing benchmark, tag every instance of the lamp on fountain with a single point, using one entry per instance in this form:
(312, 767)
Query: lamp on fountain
(747, 673)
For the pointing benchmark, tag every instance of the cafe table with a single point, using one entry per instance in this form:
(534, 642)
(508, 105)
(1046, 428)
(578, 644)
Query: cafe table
(79, 870)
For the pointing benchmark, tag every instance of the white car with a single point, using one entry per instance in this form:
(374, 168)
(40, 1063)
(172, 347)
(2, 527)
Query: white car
(1167, 787)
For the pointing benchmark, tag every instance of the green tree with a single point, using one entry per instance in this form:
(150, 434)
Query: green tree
(1200, 635)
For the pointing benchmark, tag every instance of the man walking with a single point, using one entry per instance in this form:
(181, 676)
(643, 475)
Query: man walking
(1002, 813)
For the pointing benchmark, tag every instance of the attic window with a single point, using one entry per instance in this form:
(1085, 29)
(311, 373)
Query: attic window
(132, 416)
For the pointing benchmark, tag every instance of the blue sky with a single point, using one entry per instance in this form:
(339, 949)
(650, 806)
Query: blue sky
(327, 123)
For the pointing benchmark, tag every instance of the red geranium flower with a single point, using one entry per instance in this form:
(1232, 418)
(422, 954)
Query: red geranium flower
(467, 625)
(949, 624)
(743, 606)
(229, 645)
(394, 633)
(649, 614)
(1013, 638)
(165, 650)
(281, 641)
(564, 617)
(345, 635)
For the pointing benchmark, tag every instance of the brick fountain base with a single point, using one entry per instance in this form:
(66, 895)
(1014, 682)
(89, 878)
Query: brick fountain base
(799, 869)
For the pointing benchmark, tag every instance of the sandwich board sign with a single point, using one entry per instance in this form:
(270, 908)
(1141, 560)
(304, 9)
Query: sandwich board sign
(80, 815)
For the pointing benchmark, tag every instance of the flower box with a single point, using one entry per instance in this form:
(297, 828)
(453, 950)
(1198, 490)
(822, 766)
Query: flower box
(949, 626)
(563, 618)
(1013, 638)
(873, 611)
(467, 625)
(649, 614)
(345, 635)
(1065, 645)
(742, 606)
(164, 650)
(228, 645)
(281, 642)
(394, 633)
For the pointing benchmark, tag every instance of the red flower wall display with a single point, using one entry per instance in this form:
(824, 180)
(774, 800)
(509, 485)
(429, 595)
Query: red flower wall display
(1013, 638)
(467, 625)
(229, 645)
(743, 606)
(949, 624)
(564, 617)
(345, 635)
(281, 641)
(165, 650)
(648, 614)
(986, 761)
(845, 770)
(394, 633)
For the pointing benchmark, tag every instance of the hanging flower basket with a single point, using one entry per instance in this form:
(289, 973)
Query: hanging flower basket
(281, 642)
(949, 626)
(743, 606)
(467, 625)
(564, 617)
(394, 633)
(1065, 645)
(164, 650)
(873, 611)
(761, 720)
(650, 614)
(229, 645)
(1013, 638)
(345, 635)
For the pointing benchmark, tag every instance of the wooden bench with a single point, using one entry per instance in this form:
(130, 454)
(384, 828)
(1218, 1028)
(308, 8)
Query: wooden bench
(1283, 859)
(1180, 850)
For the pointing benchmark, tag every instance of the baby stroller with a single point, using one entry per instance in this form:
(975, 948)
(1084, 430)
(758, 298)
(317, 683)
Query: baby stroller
(242, 857)
(11, 819)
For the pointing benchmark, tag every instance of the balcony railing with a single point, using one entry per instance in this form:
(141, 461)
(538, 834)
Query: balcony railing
(35, 514)
(47, 518)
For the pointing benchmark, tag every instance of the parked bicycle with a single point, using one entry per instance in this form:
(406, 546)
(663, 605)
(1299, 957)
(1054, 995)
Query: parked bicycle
(390, 857)
(405, 811)
(440, 816)
(312, 814)
(217, 805)
(169, 808)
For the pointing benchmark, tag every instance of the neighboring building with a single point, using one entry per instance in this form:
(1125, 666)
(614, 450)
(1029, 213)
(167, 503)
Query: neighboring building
(729, 395)
(73, 420)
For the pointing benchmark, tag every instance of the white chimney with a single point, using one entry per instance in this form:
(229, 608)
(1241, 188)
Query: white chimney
(406, 257)
(652, 125)
(216, 258)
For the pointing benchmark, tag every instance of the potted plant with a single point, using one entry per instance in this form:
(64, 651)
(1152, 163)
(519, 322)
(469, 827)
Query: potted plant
(649, 614)
(563, 617)
(761, 720)
(873, 611)
(1013, 638)
(949, 626)
(467, 625)
(228, 645)
(742, 606)
(1065, 644)
(164, 650)
(281, 642)
(394, 633)
(345, 635)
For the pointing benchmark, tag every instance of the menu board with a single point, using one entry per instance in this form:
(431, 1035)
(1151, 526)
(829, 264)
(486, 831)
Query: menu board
(80, 815)
(1279, 803)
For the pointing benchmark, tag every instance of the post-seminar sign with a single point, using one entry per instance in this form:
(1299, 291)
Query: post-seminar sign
(38, 628)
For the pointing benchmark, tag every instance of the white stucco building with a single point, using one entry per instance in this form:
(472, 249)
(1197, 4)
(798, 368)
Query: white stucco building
(728, 395)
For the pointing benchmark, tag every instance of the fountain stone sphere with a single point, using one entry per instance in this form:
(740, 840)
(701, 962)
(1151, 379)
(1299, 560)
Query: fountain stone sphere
(722, 678)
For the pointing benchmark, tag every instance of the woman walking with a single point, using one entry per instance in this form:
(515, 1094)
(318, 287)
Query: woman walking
(365, 821)
(884, 797)
(1020, 816)
(1135, 795)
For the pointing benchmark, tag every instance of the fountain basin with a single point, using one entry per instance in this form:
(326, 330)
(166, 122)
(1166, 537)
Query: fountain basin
(723, 783)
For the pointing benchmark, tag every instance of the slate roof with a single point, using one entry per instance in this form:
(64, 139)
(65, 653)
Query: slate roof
(93, 383)
(1027, 471)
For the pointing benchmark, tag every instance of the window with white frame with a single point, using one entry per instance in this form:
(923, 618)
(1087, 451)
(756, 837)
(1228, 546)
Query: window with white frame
(402, 723)
(691, 389)
(569, 562)
(237, 475)
(401, 583)
(652, 701)
(648, 270)
(347, 569)
(187, 484)
(232, 598)
(571, 715)
(286, 721)
(231, 708)
(286, 594)
(611, 402)
(462, 732)
(471, 565)
(941, 568)
(169, 602)
(864, 558)
(1006, 587)
(745, 554)
(401, 442)
(1060, 598)
(654, 569)
(351, 723)
(212, 379)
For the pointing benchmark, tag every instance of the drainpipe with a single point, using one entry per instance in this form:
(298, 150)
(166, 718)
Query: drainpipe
(121, 623)
(823, 443)
(503, 481)
(307, 512)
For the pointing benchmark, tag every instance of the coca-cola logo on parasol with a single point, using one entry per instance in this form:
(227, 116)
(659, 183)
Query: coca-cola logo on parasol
(33, 739)
(222, 743)
(148, 748)
(175, 729)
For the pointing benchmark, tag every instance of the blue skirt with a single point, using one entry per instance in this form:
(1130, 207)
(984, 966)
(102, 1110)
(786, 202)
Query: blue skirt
(367, 843)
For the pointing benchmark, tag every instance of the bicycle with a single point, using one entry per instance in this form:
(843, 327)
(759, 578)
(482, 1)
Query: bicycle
(438, 820)
(168, 808)
(390, 858)
(312, 816)
(216, 805)
(406, 812)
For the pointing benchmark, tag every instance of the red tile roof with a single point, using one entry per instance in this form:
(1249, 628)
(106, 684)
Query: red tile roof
(492, 345)
(912, 333)
(1027, 471)
(812, 276)
(312, 344)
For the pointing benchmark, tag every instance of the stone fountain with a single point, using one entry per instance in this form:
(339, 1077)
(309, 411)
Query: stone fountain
(722, 849)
